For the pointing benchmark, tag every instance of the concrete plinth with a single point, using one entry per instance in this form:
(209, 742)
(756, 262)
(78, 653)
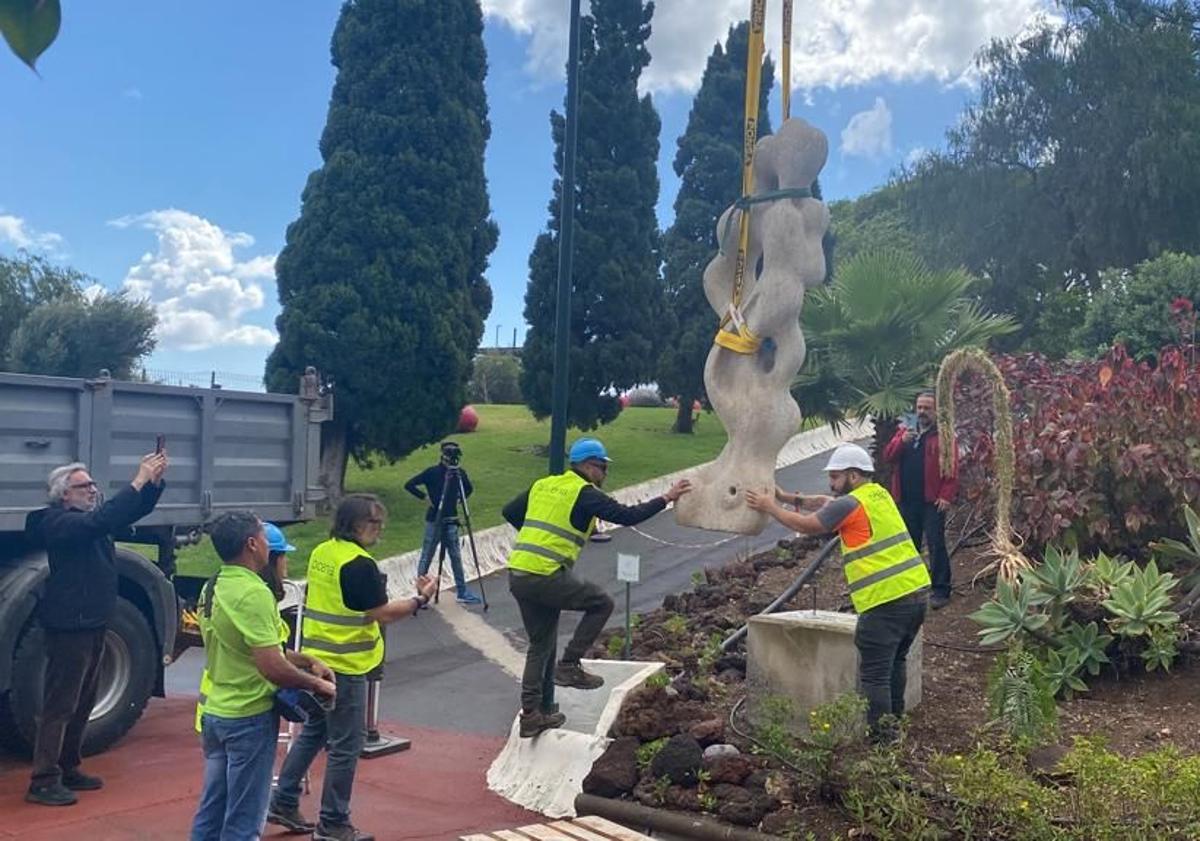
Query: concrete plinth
(809, 657)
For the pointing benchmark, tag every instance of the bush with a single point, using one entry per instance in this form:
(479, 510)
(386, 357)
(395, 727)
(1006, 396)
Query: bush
(1134, 308)
(1107, 452)
(496, 378)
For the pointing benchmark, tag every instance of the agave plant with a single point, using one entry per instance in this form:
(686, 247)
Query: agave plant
(1140, 603)
(1088, 644)
(1007, 614)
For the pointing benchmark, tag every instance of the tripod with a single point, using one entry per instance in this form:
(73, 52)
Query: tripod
(442, 520)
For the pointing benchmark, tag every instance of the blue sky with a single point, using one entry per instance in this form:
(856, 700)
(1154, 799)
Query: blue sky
(165, 145)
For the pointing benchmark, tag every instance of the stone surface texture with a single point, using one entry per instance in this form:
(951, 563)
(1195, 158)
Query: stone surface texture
(751, 393)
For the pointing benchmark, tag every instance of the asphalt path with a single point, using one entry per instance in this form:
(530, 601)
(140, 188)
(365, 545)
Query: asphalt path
(435, 679)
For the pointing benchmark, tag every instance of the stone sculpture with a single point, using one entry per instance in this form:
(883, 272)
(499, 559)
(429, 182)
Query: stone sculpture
(751, 392)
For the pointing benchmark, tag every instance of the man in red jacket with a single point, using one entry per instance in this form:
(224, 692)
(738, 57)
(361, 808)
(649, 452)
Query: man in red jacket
(921, 493)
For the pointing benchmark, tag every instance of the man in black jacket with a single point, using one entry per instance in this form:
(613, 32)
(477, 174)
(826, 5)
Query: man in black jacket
(79, 597)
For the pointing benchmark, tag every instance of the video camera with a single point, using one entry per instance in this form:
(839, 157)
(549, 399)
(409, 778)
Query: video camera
(451, 454)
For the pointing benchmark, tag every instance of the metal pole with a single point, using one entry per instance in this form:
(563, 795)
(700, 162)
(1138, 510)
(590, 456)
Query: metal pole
(628, 623)
(497, 337)
(566, 236)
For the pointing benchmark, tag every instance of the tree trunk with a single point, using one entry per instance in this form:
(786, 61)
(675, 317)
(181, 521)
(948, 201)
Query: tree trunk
(335, 451)
(683, 415)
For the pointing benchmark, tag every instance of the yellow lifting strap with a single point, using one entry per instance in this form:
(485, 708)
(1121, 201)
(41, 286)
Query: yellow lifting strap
(733, 333)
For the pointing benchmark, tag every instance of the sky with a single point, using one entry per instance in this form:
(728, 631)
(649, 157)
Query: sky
(163, 147)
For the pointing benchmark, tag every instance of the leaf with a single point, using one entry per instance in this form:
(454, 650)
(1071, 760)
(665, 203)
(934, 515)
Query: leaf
(1105, 375)
(29, 27)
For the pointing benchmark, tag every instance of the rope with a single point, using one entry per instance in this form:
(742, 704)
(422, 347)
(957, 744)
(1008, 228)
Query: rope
(636, 530)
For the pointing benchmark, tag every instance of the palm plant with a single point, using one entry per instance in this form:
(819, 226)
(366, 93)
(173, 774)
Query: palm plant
(877, 334)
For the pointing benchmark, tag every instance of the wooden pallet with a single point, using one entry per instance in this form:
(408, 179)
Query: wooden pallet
(587, 828)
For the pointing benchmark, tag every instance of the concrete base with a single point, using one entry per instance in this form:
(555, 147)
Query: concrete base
(809, 656)
(545, 773)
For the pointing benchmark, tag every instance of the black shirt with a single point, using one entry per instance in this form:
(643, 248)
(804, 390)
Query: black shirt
(912, 470)
(363, 585)
(434, 479)
(81, 590)
(592, 502)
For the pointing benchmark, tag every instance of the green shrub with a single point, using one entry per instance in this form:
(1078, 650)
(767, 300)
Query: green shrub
(647, 752)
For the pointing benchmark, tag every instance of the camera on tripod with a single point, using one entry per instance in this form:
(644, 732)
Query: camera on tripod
(451, 454)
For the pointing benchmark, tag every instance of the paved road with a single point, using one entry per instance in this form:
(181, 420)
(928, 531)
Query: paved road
(434, 679)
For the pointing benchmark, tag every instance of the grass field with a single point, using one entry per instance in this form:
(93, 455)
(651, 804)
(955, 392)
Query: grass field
(503, 457)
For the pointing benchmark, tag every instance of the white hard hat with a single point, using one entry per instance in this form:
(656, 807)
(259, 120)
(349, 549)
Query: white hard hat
(849, 456)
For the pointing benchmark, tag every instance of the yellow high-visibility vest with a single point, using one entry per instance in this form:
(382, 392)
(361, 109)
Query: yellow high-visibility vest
(888, 566)
(348, 641)
(547, 542)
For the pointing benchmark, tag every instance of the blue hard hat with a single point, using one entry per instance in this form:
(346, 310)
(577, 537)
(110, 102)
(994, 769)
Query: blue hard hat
(276, 541)
(588, 448)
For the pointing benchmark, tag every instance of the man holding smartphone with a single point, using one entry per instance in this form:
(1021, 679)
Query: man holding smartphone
(922, 494)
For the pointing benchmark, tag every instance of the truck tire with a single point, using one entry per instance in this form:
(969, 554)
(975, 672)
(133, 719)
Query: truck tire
(127, 673)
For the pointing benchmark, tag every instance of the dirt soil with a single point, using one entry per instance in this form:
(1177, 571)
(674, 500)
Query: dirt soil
(1136, 712)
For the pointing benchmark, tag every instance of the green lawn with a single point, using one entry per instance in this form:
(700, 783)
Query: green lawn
(502, 459)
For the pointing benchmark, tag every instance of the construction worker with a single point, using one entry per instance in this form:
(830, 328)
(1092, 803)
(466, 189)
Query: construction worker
(273, 574)
(889, 583)
(345, 605)
(555, 518)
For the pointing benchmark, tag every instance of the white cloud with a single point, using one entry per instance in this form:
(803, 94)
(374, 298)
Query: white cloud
(17, 232)
(835, 43)
(869, 133)
(914, 156)
(199, 288)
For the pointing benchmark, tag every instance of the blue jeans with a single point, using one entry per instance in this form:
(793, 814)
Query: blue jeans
(343, 731)
(429, 545)
(239, 754)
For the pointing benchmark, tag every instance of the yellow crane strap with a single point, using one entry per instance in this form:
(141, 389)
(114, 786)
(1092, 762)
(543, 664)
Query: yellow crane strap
(787, 60)
(740, 339)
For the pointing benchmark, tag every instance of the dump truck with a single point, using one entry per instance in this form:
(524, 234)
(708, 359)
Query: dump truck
(228, 450)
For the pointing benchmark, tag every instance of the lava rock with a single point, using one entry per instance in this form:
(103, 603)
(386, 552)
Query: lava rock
(615, 772)
(784, 823)
(708, 732)
(683, 799)
(739, 806)
(713, 751)
(678, 760)
(729, 769)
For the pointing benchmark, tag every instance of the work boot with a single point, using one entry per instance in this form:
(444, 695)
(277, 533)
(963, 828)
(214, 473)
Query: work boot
(289, 818)
(51, 794)
(939, 600)
(572, 674)
(538, 722)
(340, 832)
(76, 780)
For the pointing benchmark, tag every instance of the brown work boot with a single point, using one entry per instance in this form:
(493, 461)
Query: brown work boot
(537, 722)
(572, 674)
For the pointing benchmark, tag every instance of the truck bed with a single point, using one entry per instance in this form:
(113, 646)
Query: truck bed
(228, 449)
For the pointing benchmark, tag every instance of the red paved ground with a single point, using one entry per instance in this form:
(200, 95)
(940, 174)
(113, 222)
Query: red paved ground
(435, 790)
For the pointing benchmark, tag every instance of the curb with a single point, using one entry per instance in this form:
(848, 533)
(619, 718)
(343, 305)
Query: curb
(494, 544)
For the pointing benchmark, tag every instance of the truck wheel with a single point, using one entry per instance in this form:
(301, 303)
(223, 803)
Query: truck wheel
(127, 673)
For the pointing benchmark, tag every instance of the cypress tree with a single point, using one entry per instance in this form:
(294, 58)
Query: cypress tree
(381, 279)
(616, 303)
(709, 163)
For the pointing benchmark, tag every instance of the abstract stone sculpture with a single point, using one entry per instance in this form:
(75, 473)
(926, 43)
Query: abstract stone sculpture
(751, 392)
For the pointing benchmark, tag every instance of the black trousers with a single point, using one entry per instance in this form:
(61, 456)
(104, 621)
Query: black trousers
(541, 599)
(883, 636)
(925, 522)
(72, 672)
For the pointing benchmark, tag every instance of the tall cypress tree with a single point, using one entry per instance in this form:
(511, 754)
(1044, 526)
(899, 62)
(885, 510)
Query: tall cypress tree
(709, 162)
(381, 279)
(616, 303)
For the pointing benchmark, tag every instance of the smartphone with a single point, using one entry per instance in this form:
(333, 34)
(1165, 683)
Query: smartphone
(160, 444)
(909, 420)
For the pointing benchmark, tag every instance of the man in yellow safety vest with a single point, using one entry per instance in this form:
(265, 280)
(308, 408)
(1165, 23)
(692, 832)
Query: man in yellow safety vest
(889, 583)
(555, 518)
(345, 605)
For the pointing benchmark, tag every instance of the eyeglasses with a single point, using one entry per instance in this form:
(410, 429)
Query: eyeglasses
(602, 466)
(78, 486)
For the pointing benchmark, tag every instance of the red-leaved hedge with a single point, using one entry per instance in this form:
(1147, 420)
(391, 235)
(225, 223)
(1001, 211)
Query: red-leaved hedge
(1107, 451)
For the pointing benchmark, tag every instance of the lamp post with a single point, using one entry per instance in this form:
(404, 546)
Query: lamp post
(566, 237)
